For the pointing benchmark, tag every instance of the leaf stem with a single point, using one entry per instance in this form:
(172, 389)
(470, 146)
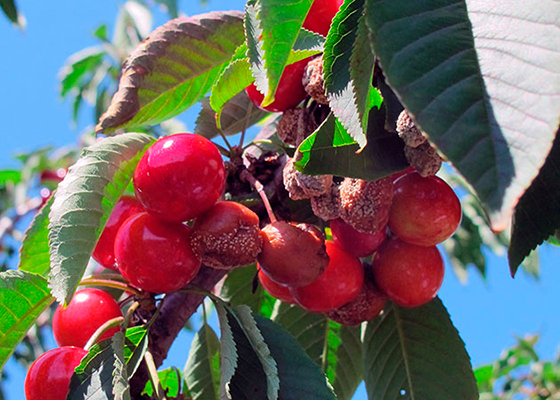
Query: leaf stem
(133, 307)
(110, 283)
(101, 330)
(154, 377)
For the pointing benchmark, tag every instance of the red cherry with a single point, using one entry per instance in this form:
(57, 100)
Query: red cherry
(277, 291)
(357, 243)
(180, 177)
(154, 255)
(49, 376)
(87, 311)
(321, 15)
(410, 275)
(104, 252)
(340, 283)
(53, 176)
(397, 175)
(290, 90)
(425, 211)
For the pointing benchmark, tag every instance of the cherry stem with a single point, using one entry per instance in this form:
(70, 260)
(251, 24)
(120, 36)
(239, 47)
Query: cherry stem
(260, 190)
(133, 307)
(223, 151)
(101, 330)
(154, 377)
(111, 284)
(108, 276)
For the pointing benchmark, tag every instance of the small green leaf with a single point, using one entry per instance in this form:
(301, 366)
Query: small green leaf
(348, 66)
(484, 377)
(170, 380)
(416, 353)
(102, 374)
(173, 69)
(77, 66)
(23, 297)
(135, 346)
(280, 23)
(537, 215)
(82, 204)
(34, 253)
(238, 114)
(330, 150)
(101, 33)
(9, 175)
(202, 378)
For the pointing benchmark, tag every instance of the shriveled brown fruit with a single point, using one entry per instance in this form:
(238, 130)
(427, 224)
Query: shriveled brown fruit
(300, 186)
(293, 255)
(314, 82)
(327, 206)
(424, 158)
(408, 131)
(365, 205)
(366, 306)
(295, 125)
(227, 236)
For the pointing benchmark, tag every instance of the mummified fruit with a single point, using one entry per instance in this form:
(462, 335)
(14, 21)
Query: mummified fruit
(366, 306)
(423, 158)
(295, 125)
(340, 283)
(327, 206)
(365, 205)
(227, 236)
(293, 255)
(301, 186)
(408, 131)
(313, 81)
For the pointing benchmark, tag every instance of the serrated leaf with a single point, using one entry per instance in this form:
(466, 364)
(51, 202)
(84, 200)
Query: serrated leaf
(135, 346)
(34, 253)
(330, 150)
(78, 65)
(486, 94)
(82, 204)
(280, 23)
(23, 297)
(416, 353)
(173, 69)
(238, 114)
(300, 377)
(170, 380)
(537, 216)
(335, 348)
(102, 374)
(237, 75)
(202, 378)
(348, 66)
(228, 352)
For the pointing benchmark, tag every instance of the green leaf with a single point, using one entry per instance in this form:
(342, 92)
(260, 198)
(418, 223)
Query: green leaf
(77, 66)
(10, 10)
(34, 253)
(102, 374)
(537, 216)
(348, 66)
(135, 346)
(520, 355)
(23, 297)
(82, 204)
(237, 289)
(229, 359)
(330, 150)
(416, 353)
(203, 380)
(335, 348)
(173, 69)
(101, 33)
(238, 114)
(300, 377)
(237, 75)
(280, 23)
(9, 175)
(486, 94)
(170, 380)
(484, 377)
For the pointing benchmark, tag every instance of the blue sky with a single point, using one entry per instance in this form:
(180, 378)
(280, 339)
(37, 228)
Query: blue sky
(487, 314)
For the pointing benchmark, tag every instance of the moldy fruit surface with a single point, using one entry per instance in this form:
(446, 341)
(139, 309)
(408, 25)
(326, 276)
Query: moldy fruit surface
(87, 311)
(155, 256)
(180, 177)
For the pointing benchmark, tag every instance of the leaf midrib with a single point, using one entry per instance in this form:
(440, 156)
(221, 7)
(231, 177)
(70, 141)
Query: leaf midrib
(400, 331)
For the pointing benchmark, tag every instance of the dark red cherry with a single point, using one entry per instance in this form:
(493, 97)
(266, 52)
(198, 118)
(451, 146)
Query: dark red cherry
(359, 244)
(321, 15)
